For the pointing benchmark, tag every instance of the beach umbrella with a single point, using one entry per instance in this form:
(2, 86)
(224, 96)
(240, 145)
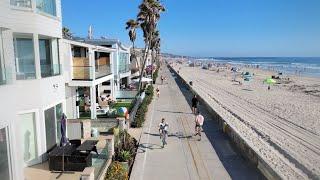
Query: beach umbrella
(63, 140)
(122, 111)
(270, 81)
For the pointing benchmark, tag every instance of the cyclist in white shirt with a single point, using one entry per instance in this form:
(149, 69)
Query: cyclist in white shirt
(163, 131)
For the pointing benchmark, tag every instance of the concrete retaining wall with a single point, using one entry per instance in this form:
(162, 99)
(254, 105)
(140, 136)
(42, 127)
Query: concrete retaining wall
(244, 148)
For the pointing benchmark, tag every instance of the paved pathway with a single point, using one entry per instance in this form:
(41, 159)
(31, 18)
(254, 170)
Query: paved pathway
(185, 157)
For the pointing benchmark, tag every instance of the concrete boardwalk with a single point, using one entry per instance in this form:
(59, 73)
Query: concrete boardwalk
(185, 157)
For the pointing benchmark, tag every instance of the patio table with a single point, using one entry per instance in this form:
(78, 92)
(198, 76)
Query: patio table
(88, 145)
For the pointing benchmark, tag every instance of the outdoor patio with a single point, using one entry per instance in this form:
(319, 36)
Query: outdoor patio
(99, 162)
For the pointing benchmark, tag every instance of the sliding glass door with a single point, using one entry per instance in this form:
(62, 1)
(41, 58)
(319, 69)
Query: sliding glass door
(52, 123)
(51, 132)
(4, 155)
(29, 137)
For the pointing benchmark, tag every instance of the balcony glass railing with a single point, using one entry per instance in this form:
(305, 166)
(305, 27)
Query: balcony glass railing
(123, 68)
(48, 70)
(102, 71)
(6, 75)
(47, 6)
(83, 73)
(26, 71)
(21, 3)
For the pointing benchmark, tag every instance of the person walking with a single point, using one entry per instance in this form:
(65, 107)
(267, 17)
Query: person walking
(163, 131)
(162, 78)
(158, 92)
(194, 104)
(198, 124)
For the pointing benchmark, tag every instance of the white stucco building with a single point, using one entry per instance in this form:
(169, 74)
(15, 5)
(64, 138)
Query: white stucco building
(88, 72)
(32, 87)
(121, 59)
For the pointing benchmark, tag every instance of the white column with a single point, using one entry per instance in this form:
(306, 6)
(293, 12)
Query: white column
(112, 88)
(77, 111)
(37, 55)
(92, 64)
(93, 102)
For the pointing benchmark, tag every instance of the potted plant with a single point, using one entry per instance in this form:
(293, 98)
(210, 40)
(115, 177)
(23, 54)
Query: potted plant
(124, 157)
(116, 171)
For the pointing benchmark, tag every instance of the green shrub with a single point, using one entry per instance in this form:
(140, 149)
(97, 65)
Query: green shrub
(124, 156)
(155, 75)
(116, 171)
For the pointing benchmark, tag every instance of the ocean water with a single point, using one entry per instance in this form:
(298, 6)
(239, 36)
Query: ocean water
(304, 66)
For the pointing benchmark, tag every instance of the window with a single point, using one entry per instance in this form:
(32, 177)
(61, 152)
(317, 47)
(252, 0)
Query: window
(2, 69)
(52, 123)
(21, 3)
(49, 57)
(24, 58)
(47, 6)
(123, 62)
(28, 136)
(5, 154)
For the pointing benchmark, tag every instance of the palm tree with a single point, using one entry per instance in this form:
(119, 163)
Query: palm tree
(132, 25)
(148, 18)
(155, 41)
(66, 33)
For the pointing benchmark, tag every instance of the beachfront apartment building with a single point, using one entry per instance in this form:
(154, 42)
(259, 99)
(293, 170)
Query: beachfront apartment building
(89, 77)
(121, 59)
(32, 87)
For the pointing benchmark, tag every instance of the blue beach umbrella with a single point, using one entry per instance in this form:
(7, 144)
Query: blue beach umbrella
(122, 111)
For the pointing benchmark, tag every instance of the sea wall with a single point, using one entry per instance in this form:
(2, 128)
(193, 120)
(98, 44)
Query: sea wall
(246, 151)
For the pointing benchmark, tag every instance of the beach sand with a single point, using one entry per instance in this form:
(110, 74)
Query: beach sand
(281, 124)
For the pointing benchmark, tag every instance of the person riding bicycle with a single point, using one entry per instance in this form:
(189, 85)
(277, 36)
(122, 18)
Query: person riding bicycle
(163, 131)
(199, 122)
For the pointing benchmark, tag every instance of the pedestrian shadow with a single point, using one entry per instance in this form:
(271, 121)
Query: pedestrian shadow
(179, 135)
(143, 146)
(175, 112)
(247, 89)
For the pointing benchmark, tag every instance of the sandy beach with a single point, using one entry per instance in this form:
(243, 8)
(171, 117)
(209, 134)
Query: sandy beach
(282, 124)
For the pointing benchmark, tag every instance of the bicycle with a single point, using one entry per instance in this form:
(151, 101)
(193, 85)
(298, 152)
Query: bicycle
(198, 131)
(163, 137)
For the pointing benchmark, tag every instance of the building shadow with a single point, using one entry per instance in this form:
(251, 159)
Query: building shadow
(236, 165)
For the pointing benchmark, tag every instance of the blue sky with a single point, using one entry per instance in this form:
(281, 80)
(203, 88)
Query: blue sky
(210, 27)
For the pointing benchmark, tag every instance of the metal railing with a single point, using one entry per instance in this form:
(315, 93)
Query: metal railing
(103, 70)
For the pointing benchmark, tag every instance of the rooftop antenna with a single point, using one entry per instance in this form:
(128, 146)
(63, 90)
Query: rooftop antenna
(90, 32)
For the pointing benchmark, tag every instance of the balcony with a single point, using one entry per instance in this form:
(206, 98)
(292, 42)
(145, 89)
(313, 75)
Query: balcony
(6, 75)
(83, 73)
(102, 70)
(124, 68)
(48, 70)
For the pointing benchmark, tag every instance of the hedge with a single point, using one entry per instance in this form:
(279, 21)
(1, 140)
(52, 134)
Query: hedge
(143, 108)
